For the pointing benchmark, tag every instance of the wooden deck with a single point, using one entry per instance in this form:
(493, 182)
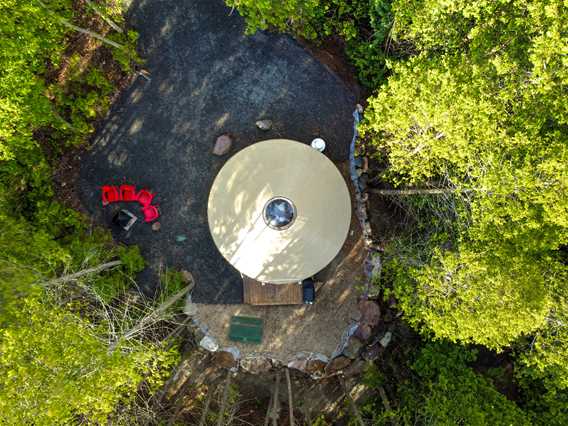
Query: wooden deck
(257, 293)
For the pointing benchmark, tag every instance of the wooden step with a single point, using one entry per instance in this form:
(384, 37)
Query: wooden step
(257, 293)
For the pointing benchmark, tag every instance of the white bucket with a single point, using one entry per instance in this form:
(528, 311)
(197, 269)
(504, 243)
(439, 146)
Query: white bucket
(318, 144)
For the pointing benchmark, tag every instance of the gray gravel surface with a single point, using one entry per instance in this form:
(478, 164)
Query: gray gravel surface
(207, 78)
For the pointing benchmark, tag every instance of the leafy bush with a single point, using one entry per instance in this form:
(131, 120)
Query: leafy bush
(57, 366)
(464, 114)
(63, 112)
(55, 370)
(444, 390)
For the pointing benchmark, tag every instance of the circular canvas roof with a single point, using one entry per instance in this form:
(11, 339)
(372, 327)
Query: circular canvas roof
(279, 211)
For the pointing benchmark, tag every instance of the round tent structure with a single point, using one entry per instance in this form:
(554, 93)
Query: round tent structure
(279, 211)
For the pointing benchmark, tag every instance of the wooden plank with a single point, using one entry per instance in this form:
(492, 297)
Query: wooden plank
(257, 293)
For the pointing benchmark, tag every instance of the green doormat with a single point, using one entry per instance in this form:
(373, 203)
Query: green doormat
(245, 329)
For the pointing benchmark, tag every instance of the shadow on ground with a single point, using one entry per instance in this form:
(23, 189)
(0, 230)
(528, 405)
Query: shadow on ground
(207, 78)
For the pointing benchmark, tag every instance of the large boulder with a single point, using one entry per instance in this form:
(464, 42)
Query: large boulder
(225, 359)
(353, 347)
(256, 364)
(370, 313)
(338, 364)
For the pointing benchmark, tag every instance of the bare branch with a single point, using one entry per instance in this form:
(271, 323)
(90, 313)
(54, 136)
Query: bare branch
(104, 17)
(77, 275)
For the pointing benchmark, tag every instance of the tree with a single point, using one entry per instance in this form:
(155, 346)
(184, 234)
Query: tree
(480, 110)
(443, 390)
(55, 370)
(57, 365)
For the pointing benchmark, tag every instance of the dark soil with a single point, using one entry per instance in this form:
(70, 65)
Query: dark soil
(331, 53)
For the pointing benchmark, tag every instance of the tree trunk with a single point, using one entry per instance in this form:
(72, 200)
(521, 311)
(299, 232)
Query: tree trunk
(290, 402)
(81, 30)
(411, 191)
(224, 401)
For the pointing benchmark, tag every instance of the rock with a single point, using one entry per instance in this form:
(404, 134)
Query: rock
(352, 348)
(224, 359)
(156, 226)
(319, 357)
(385, 340)
(299, 364)
(234, 351)
(370, 312)
(190, 309)
(187, 276)
(223, 144)
(356, 368)
(373, 352)
(337, 364)
(363, 332)
(315, 367)
(209, 344)
(344, 340)
(256, 365)
(264, 124)
(199, 329)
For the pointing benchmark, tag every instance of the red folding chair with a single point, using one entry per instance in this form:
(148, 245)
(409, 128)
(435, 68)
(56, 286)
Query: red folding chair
(128, 193)
(110, 194)
(150, 213)
(144, 197)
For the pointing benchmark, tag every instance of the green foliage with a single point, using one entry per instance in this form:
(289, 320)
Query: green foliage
(131, 258)
(111, 286)
(39, 116)
(55, 369)
(172, 282)
(444, 390)
(56, 365)
(477, 297)
(454, 394)
(281, 15)
(48, 350)
(477, 110)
